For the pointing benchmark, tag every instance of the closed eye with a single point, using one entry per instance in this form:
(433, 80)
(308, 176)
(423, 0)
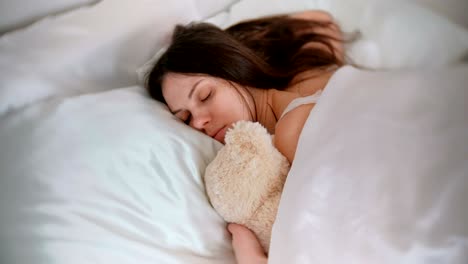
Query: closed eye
(206, 97)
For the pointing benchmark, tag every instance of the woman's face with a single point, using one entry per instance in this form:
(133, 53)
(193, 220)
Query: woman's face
(206, 103)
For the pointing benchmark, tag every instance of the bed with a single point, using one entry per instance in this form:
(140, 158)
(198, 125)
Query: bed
(94, 171)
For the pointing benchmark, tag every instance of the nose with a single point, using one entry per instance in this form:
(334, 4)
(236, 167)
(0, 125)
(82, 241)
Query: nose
(200, 120)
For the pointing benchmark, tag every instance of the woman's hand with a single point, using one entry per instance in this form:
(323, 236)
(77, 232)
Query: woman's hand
(247, 249)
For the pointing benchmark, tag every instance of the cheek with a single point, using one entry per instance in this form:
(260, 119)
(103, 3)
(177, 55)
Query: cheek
(231, 109)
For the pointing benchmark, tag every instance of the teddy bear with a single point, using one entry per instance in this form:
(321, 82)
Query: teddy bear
(245, 180)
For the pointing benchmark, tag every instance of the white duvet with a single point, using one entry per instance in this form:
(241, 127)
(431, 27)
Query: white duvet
(381, 172)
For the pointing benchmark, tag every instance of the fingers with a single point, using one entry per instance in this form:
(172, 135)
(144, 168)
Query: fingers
(247, 249)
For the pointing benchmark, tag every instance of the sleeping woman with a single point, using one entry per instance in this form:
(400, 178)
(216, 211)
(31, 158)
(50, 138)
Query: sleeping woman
(269, 70)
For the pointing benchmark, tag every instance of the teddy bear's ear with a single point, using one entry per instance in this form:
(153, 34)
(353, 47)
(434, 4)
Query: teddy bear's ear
(246, 131)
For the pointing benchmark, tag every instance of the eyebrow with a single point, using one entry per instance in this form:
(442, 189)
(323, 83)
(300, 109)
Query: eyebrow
(189, 96)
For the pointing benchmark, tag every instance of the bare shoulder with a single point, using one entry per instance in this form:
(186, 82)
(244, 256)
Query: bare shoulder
(289, 128)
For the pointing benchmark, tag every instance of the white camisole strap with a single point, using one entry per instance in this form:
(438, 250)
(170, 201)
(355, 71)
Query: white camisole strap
(302, 101)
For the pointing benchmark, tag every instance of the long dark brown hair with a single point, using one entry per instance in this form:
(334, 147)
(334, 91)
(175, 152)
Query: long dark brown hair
(262, 53)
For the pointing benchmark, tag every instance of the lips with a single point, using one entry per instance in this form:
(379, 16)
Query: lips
(220, 134)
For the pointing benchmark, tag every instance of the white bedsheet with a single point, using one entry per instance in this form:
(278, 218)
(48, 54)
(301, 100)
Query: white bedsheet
(381, 172)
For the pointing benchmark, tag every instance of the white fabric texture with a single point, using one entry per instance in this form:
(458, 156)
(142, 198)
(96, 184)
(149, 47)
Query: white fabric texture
(18, 13)
(380, 172)
(110, 177)
(207, 8)
(454, 9)
(91, 49)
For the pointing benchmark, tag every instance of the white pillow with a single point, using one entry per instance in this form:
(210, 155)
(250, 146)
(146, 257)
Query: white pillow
(110, 177)
(18, 13)
(407, 35)
(208, 8)
(453, 9)
(91, 49)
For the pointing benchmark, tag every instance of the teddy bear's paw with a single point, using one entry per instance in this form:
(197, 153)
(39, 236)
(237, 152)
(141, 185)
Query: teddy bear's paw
(248, 132)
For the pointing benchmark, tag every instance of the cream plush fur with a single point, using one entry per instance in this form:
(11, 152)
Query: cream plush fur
(245, 180)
